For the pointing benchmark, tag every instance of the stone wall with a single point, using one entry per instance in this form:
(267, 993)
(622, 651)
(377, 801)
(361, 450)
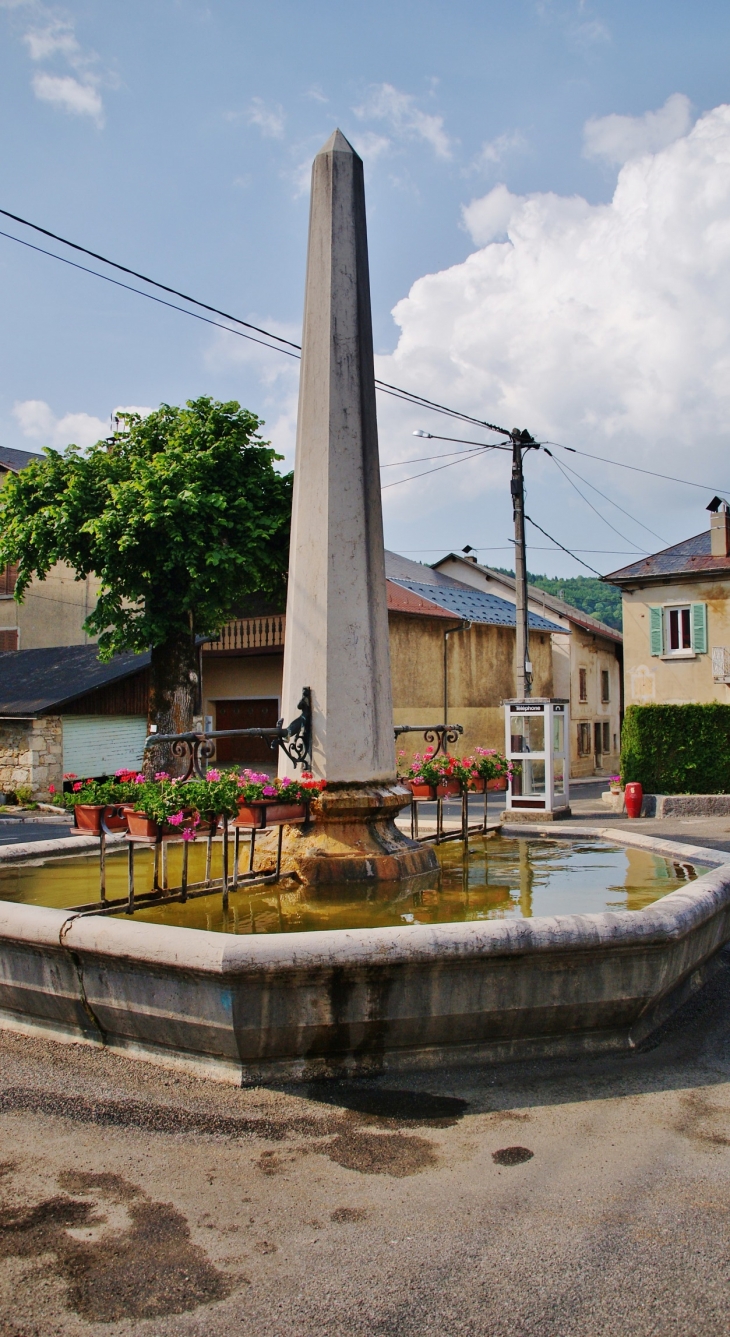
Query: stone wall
(31, 753)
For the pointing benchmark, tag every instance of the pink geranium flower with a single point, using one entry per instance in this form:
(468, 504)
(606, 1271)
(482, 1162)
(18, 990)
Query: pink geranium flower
(161, 775)
(176, 818)
(213, 775)
(77, 786)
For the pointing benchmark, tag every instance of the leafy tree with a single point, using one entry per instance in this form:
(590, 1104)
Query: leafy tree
(180, 515)
(591, 596)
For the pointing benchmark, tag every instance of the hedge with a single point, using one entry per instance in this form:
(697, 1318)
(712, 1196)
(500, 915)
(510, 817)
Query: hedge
(677, 749)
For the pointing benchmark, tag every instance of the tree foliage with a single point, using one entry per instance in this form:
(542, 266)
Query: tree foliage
(180, 516)
(584, 592)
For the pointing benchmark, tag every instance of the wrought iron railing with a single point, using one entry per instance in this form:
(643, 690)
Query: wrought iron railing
(250, 633)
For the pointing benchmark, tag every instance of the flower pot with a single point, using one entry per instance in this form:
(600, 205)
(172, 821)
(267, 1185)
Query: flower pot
(447, 788)
(421, 790)
(633, 798)
(139, 825)
(115, 817)
(500, 783)
(270, 812)
(87, 817)
(477, 786)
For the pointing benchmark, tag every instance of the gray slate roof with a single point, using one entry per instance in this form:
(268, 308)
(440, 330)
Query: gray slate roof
(475, 605)
(686, 558)
(33, 682)
(17, 459)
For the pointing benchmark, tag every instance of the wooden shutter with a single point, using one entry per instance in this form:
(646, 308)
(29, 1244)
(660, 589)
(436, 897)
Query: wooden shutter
(699, 628)
(656, 631)
(8, 641)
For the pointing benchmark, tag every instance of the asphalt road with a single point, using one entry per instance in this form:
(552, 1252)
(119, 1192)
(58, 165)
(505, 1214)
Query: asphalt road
(574, 1200)
(14, 832)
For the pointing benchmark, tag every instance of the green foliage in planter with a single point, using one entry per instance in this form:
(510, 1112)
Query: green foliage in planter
(677, 749)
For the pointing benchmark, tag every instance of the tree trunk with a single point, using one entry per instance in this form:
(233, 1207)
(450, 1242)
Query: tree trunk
(173, 698)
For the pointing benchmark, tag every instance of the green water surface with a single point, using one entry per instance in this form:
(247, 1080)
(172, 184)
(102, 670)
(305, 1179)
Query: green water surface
(501, 878)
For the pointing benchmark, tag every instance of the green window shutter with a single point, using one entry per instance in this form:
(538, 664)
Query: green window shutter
(699, 628)
(656, 630)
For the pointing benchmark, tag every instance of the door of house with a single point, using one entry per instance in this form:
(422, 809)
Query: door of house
(598, 744)
(254, 713)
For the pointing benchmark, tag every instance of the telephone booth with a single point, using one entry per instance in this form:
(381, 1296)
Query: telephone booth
(537, 741)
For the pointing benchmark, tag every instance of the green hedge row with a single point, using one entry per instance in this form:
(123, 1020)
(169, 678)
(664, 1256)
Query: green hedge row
(677, 749)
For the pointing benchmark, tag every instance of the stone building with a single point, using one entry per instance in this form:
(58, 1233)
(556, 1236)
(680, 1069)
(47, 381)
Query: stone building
(586, 666)
(676, 606)
(53, 610)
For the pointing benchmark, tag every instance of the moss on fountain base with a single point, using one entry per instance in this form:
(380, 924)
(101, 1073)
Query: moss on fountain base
(352, 837)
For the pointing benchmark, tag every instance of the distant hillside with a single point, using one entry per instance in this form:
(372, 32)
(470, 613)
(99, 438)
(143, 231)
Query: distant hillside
(591, 596)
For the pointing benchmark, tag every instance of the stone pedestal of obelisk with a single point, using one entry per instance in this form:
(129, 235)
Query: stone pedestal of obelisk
(336, 616)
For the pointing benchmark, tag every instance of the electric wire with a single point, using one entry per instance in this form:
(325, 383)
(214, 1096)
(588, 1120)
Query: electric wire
(667, 478)
(625, 537)
(563, 548)
(607, 498)
(439, 467)
(281, 344)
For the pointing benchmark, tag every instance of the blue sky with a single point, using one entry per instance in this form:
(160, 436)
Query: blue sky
(553, 178)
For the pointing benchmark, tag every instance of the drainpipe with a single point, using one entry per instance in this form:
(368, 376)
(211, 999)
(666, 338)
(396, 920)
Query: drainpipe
(463, 626)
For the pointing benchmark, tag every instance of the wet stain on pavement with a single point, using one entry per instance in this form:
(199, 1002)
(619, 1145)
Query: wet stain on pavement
(344, 1214)
(381, 1153)
(512, 1155)
(120, 1254)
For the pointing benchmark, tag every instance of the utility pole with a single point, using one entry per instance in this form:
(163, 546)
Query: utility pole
(521, 440)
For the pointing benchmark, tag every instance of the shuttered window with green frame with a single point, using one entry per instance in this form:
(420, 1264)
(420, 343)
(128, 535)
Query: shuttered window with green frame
(656, 631)
(699, 628)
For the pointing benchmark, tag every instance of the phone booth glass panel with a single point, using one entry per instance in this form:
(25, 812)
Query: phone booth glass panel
(536, 740)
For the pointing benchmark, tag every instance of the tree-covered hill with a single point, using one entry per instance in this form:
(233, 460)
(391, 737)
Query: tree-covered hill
(584, 592)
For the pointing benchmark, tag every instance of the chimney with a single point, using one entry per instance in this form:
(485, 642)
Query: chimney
(719, 528)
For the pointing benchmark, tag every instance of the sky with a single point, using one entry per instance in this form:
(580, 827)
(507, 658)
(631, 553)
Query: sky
(548, 193)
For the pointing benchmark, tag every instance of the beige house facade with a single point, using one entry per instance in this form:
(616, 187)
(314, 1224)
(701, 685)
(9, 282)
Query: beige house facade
(53, 610)
(586, 666)
(676, 616)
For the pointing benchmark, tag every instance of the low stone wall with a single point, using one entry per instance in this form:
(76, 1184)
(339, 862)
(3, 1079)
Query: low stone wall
(31, 754)
(686, 805)
(301, 1005)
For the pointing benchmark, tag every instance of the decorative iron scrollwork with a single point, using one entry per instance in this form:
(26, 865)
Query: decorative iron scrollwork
(440, 734)
(196, 749)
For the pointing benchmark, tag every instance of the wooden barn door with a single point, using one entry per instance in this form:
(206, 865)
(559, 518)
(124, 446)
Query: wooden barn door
(257, 713)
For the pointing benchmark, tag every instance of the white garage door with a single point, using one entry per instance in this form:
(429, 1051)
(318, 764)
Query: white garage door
(102, 744)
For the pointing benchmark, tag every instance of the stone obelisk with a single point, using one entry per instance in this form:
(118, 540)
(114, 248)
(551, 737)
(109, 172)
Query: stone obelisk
(336, 617)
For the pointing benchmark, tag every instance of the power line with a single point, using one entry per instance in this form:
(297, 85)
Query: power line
(535, 525)
(469, 455)
(625, 537)
(610, 500)
(281, 344)
(667, 478)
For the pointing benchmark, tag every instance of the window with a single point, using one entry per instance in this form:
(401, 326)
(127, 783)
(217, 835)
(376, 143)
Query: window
(598, 738)
(606, 736)
(583, 685)
(605, 686)
(678, 630)
(8, 580)
(8, 640)
(584, 740)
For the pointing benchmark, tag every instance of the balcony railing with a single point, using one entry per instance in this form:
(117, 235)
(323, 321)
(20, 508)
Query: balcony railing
(251, 633)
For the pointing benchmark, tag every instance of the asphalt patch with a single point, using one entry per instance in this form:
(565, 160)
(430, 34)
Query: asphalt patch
(512, 1155)
(148, 1269)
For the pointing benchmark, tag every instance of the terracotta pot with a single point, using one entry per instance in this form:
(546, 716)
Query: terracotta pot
(421, 790)
(633, 798)
(477, 786)
(447, 788)
(139, 825)
(269, 812)
(497, 784)
(87, 817)
(115, 817)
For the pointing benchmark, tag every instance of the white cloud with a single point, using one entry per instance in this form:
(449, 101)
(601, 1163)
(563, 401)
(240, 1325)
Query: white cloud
(270, 120)
(496, 150)
(70, 95)
(52, 38)
(617, 139)
(142, 410)
(38, 421)
(405, 118)
(370, 146)
(606, 327)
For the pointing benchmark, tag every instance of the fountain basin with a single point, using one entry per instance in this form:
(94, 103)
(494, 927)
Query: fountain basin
(272, 1006)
